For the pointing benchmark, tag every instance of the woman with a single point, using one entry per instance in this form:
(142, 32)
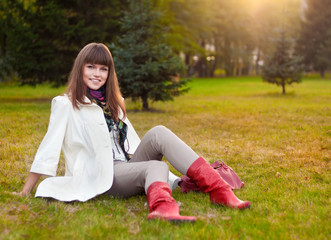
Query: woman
(103, 153)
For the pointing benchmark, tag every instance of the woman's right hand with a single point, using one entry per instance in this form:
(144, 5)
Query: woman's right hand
(29, 185)
(22, 194)
(19, 194)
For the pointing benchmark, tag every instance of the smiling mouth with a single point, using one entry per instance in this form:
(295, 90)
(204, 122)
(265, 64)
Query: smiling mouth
(95, 80)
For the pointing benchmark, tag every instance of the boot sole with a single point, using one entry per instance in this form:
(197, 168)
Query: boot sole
(242, 208)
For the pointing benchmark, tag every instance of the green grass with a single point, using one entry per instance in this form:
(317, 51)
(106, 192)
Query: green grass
(243, 121)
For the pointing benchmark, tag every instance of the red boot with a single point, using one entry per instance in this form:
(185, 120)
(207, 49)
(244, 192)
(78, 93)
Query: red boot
(211, 182)
(162, 205)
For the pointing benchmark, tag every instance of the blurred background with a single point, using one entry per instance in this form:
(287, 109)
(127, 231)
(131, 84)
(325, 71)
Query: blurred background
(39, 39)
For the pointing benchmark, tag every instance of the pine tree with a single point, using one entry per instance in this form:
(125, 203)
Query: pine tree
(42, 38)
(314, 43)
(145, 65)
(282, 69)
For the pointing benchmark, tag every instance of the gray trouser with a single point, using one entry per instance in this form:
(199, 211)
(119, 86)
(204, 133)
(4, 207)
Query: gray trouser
(145, 166)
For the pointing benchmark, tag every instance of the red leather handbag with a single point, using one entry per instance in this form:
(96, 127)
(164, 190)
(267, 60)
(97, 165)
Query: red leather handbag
(224, 170)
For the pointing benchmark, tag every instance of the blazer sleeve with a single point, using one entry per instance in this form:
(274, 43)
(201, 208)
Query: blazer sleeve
(48, 154)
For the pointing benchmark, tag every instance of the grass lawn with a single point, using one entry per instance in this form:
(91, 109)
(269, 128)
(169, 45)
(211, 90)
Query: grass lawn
(280, 146)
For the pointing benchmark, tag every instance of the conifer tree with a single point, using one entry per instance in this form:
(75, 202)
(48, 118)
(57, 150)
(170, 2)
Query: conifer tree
(282, 69)
(314, 43)
(145, 65)
(40, 39)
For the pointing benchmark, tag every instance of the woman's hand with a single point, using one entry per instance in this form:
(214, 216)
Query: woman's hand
(19, 194)
(22, 194)
(29, 185)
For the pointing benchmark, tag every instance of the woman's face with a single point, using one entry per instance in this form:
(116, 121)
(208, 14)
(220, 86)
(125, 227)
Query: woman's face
(95, 75)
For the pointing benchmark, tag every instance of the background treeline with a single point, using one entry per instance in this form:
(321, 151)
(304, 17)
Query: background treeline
(40, 38)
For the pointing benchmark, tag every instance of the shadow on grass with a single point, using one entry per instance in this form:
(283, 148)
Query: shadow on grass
(291, 94)
(151, 110)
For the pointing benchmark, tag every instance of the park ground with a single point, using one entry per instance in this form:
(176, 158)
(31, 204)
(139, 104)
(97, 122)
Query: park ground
(280, 146)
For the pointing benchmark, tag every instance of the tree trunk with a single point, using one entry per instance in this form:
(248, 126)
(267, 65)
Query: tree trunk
(257, 67)
(283, 87)
(201, 67)
(188, 63)
(322, 73)
(212, 69)
(187, 59)
(4, 45)
(144, 101)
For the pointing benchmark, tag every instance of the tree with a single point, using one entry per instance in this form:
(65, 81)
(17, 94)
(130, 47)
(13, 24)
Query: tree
(267, 18)
(42, 38)
(314, 43)
(232, 36)
(191, 25)
(282, 68)
(145, 65)
(4, 68)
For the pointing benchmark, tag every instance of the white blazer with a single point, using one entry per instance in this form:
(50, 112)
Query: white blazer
(84, 139)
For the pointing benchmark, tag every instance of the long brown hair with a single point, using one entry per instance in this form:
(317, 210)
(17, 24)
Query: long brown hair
(95, 53)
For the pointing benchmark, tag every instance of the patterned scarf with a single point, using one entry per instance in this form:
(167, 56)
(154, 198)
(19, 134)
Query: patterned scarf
(99, 98)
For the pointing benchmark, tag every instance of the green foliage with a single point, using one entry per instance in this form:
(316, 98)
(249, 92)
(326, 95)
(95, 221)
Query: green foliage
(145, 65)
(190, 21)
(282, 68)
(314, 43)
(233, 39)
(42, 38)
(39, 39)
